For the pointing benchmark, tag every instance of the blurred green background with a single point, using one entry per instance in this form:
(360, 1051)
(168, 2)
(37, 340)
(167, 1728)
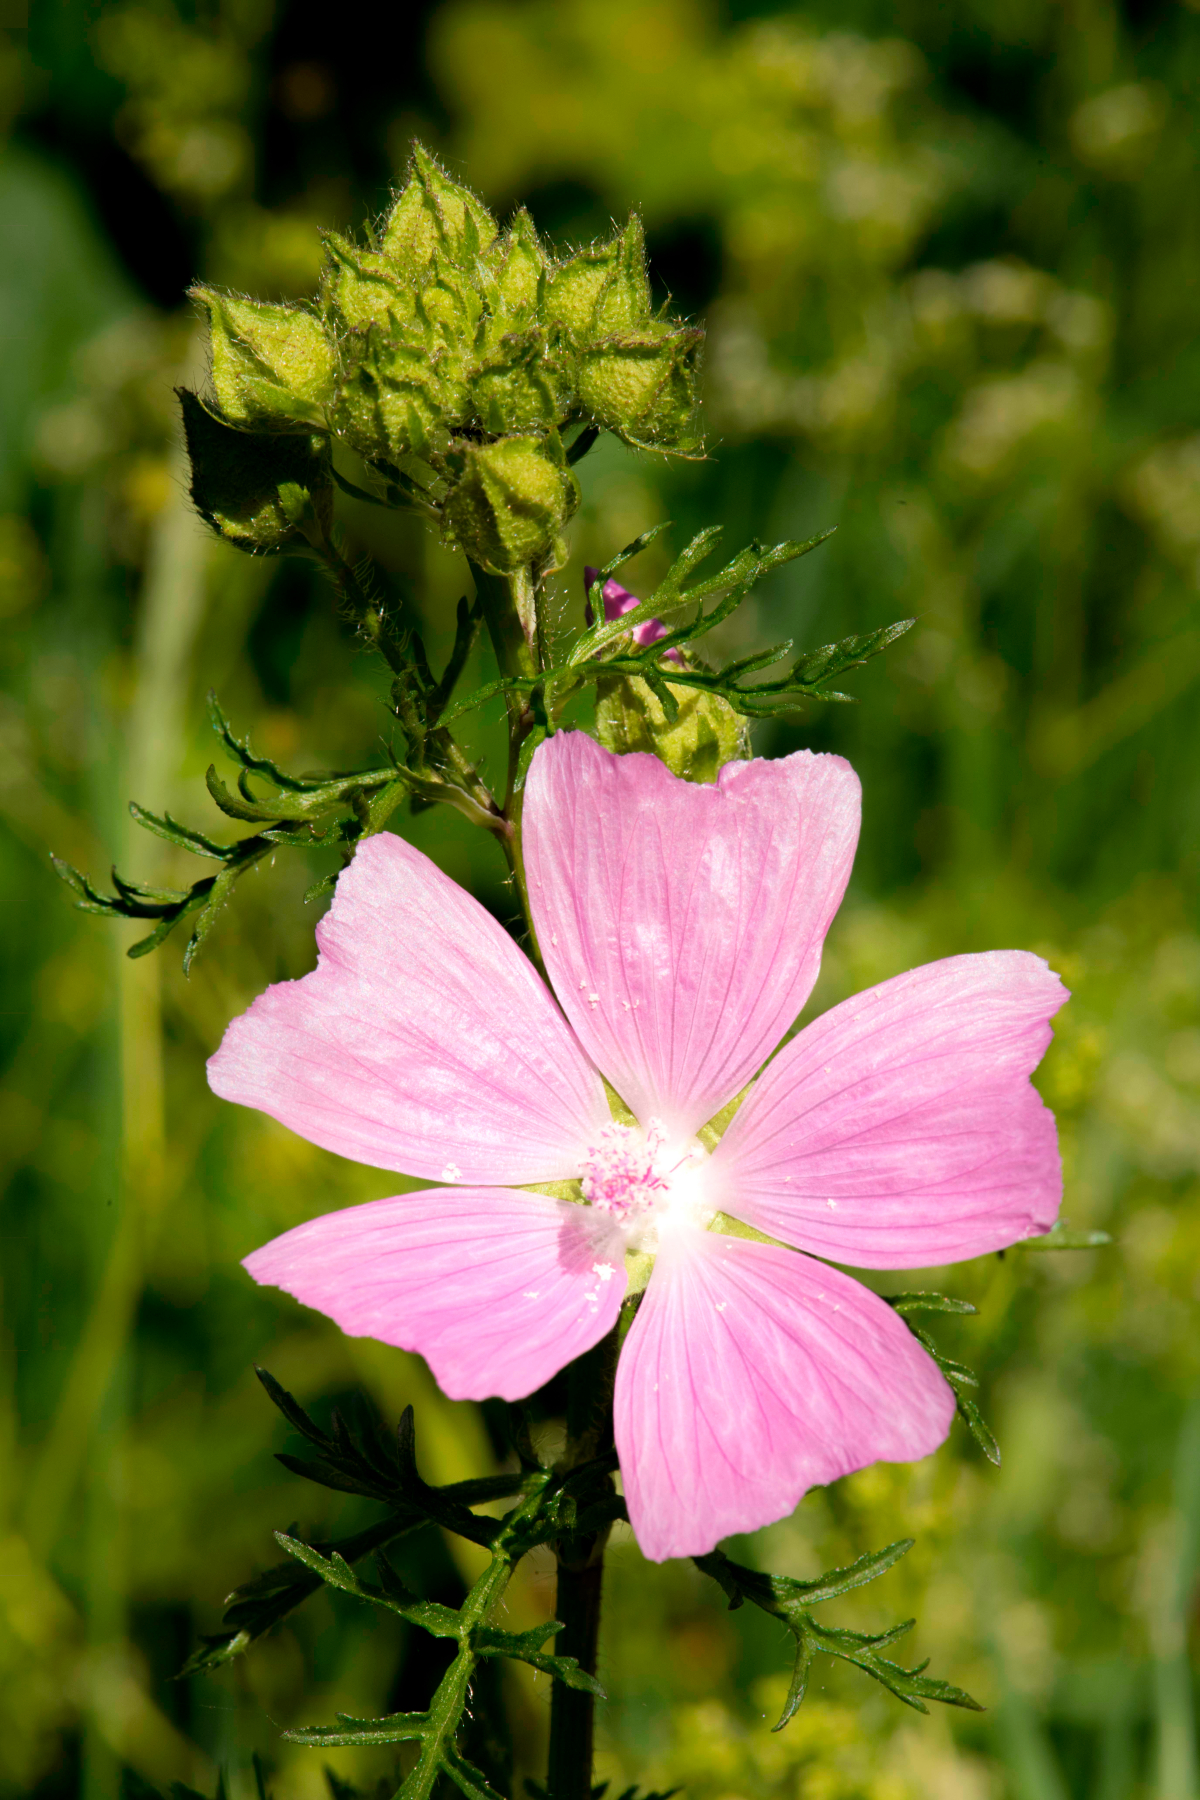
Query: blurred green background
(949, 257)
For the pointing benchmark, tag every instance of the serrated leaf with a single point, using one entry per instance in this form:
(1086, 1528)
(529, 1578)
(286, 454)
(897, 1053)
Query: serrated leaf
(397, 1728)
(789, 1600)
(526, 1647)
(182, 836)
(467, 1778)
(961, 1378)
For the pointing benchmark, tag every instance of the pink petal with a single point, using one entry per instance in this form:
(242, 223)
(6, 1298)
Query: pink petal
(423, 1041)
(900, 1129)
(681, 925)
(496, 1290)
(752, 1374)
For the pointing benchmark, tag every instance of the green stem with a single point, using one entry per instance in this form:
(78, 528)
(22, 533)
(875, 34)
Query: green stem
(512, 614)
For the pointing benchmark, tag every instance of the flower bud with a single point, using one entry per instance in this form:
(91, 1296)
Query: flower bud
(573, 290)
(395, 398)
(272, 366)
(361, 288)
(433, 218)
(511, 501)
(514, 270)
(706, 732)
(642, 385)
(705, 735)
(519, 387)
(256, 488)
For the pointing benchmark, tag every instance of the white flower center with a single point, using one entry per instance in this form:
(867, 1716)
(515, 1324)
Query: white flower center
(645, 1181)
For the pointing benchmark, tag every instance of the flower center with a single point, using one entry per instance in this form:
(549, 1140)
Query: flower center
(643, 1180)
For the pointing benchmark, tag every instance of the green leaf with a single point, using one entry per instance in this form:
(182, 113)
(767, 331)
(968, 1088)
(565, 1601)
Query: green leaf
(526, 1647)
(239, 749)
(182, 836)
(467, 1778)
(923, 1301)
(395, 1728)
(789, 1600)
(957, 1374)
(1065, 1237)
(335, 1571)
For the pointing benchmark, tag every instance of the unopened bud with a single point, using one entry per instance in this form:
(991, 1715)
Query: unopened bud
(511, 501)
(642, 385)
(395, 399)
(519, 388)
(515, 269)
(361, 288)
(272, 366)
(433, 216)
(706, 732)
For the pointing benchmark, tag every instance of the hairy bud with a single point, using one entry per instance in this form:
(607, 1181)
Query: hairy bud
(272, 366)
(705, 733)
(435, 218)
(642, 385)
(448, 343)
(511, 501)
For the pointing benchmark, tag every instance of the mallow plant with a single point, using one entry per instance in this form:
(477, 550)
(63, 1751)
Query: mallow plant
(636, 1169)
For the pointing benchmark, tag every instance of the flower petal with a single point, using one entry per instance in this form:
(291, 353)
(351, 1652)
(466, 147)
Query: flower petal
(900, 1129)
(751, 1374)
(496, 1290)
(681, 924)
(423, 1040)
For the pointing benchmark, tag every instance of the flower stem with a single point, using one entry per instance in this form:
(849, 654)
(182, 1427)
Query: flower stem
(511, 613)
(573, 1713)
(590, 1382)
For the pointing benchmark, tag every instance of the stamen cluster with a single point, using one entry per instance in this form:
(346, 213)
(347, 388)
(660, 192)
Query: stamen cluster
(621, 1174)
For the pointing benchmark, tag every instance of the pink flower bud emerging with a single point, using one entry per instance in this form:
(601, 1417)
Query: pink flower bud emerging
(617, 602)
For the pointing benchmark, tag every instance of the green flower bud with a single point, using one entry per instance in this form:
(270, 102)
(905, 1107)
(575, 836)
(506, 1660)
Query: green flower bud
(642, 385)
(602, 289)
(272, 366)
(624, 301)
(521, 387)
(434, 218)
(705, 735)
(511, 501)
(573, 290)
(361, 288)
(396, 399)
(514, 273)
(257, 489)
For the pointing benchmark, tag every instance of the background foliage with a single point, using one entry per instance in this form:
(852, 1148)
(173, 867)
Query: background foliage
(949, 258)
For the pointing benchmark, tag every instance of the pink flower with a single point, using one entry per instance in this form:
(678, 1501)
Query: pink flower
(681, 927)
(617, 602)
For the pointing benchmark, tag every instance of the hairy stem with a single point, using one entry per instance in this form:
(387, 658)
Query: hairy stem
(511, 615)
